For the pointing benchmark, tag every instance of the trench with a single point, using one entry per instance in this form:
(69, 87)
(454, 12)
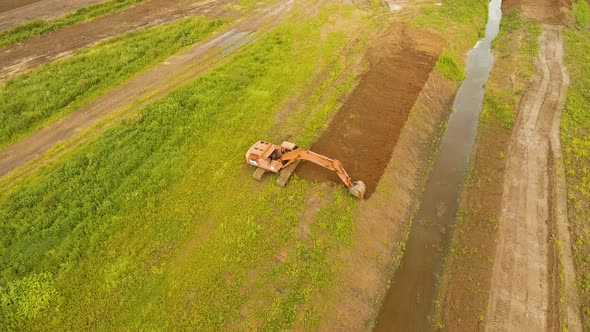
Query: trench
(409, 301)
(365, 131)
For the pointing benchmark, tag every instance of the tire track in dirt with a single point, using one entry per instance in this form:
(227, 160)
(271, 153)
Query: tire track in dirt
(547, 11)
(6, 5)
(571, 295)
(40, 10)
(33, 52)
(523, 281)
(363, 134)
(129, 97)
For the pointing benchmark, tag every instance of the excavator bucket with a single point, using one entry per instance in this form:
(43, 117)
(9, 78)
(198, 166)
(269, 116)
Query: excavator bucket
(358, 189)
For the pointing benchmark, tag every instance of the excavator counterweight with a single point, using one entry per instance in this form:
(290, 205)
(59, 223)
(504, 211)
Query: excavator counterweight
(284, 158)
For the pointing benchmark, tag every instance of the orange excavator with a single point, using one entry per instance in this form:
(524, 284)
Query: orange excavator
(284, 158)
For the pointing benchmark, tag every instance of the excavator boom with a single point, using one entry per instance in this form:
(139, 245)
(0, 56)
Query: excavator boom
(285, 158)
(318, 159)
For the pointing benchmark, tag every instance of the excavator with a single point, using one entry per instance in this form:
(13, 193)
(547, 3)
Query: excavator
(284, 158)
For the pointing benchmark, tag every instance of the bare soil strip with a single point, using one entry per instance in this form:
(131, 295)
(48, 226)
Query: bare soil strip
(40, 10)
(522, 288)
(134, 94)
(547, 11)
(365, 131)
(38, 50)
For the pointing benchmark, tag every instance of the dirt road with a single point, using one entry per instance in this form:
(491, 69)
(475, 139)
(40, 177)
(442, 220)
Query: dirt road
(7, 5)
(523, 282)
(38, 50)
(134, 94)
(547, 11)
(20, 12)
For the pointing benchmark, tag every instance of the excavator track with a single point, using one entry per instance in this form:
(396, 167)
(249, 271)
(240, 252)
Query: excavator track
(258, 173)
(285, 158)
(286, 173)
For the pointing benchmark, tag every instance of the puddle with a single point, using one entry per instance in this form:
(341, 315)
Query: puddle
(409, 302)
(236, 40)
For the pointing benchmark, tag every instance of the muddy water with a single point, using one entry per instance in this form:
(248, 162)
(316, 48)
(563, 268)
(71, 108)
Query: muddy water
(409, 302)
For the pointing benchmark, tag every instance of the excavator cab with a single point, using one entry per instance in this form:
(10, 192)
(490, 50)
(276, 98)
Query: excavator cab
(284, 158)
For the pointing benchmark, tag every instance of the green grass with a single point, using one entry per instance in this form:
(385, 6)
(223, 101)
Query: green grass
(575, 138)
(157, 224)
(39, 27)
(34, 99)
(581, 11)
(448, 67)
(500, 101)
(462, 23)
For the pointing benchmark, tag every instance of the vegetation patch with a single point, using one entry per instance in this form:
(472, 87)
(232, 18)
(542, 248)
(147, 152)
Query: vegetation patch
(157, 224)
(32, 100)
(464, 292)
(499, 109)
(39, 27)
(461, 35)
(575, 138)
(581, 11)
(448, 67)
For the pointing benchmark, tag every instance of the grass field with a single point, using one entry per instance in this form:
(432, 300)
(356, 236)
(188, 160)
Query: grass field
(39, 27)
(455, 20)
(575, 137)
(56, 89)
(157, 224)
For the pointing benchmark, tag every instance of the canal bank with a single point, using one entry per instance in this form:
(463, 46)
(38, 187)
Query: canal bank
(505, 265)
(409, 302)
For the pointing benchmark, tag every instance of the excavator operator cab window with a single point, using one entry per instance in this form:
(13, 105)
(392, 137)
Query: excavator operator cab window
(275, 155)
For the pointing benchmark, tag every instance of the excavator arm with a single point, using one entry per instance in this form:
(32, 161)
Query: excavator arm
(284, 159)
(318, 159)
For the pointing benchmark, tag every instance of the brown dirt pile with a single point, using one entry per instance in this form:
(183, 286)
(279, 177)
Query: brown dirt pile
(365, 131)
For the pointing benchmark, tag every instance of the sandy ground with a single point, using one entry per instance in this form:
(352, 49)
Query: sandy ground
(6, 5)
(36, 51)
(134, 94)
(39, 10)
(522, 290)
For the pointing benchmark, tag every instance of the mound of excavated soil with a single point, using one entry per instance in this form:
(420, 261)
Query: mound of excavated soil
(364, 132)
(549, 11)
(33, 52)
